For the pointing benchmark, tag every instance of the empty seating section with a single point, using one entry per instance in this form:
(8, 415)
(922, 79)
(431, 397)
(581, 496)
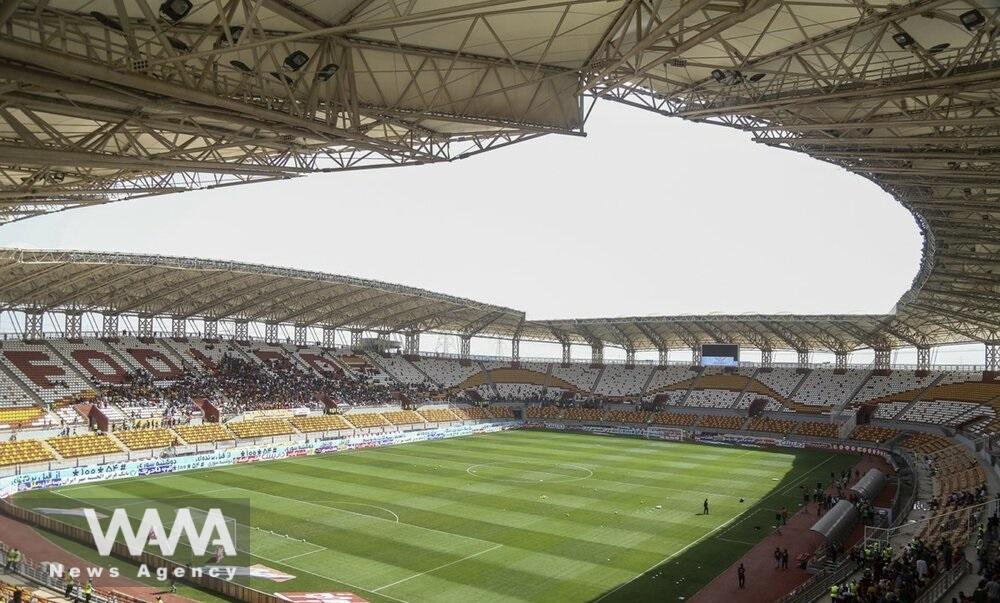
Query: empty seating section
(583, 414)
(403, 417)
(151, 358)
(470, 413)
(40, 370)
(721, 422)
(712, 398)
(826, 387)
(627, 416)
(872, 433)
(400, 368)
(771, 425)
(320, 423)
(621, 381)
(579, 375)
(12, 394)
(903, 386)
(543, 412)
(770, 404)
(501, 411)
(888, 410)
(260, 428)
(781, 380)
(144, 439)
(92, 359)
(437, 415)
(926, 443)
(818, 429)
(447, 373)
(203, 433)
(673, 418)
(364, 420)
(199, 354)
(23, 452)
(666, 376)
(518, 391)
(24, 416)
(83, 445)
(944, 412)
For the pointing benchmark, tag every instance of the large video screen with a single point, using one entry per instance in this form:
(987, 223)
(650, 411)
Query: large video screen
(720, 354)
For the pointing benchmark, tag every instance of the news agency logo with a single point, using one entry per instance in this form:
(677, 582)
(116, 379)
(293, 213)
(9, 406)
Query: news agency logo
(214, 532)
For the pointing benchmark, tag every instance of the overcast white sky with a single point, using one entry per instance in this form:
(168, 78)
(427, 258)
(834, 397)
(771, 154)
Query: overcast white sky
(646, 215)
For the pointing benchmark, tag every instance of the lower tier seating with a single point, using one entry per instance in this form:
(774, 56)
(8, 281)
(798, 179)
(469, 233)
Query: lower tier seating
(144, 439)
(206, 432)
(23, 452)
(320, 423)
(83, 445)
(260, 428)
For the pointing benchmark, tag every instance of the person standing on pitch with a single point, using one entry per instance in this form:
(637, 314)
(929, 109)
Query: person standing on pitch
(705, 507)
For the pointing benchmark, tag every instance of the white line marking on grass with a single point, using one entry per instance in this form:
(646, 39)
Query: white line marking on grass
(331, 578)
(374, 517)
(320, 548)
(356, 504)
(668, 558)
(434, 569)
(471, 470)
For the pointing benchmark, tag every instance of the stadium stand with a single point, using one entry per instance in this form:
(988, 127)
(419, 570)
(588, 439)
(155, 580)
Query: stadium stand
(583, 414)
(399, 368)
(826, 387)
(770, 425)
(500, 411)
(83, 445)
(438, 415)
(721, 422)
(619, 381)
(543, 412)
(23, 452)
(448, 373)
(817, 429)
(403, 417)
(628, 416)
(260, 428)
(145, 439)
(872, 433)
(364, 420)
(320, 423)
(467, 413)
(41, 371)
(780, 380)
(203, 433)
(674, 419)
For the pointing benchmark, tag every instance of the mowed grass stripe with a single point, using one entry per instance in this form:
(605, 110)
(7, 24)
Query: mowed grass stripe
(554, 541)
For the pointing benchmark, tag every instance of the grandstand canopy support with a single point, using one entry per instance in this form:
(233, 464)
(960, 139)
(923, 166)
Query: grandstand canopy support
(923, 358)
(33, 325)
(329, 337)
(242, 331)
(630, 357)
(300, 335)
(803, 358)
(211, 329)
(663, 356)
(696, 355)
(840, 361)
(992, 357)
(109, 325)
(515, 350)
(270, 332)
(73, 327)
(356, 335)
(767, 358)
(411, 343)
(465, 346)
(145, 323)
(178, 327)
(883, 357)
(597, 354)
(567, 352)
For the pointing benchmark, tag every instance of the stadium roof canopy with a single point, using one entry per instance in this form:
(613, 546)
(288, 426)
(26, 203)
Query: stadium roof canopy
(102, 100)
(45, 281)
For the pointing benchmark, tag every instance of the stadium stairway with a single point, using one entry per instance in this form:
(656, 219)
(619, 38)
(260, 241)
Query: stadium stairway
(489, 380)
(798, 386)
(645, 386)
(416, 366)
(839, 409)
(72, 366)
(21, 384)
(902, 412)
(743, 392)
(690, 387)
(597, 380)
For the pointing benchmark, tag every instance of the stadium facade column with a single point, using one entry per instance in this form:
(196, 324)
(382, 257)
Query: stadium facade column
(109, 326)
(883, 358)
(696, 355)
(178, 327)
(145, 326)
(271, 332)
(515, 350)
(300, 335)
(411, 343)
(567, 353)
(33, 324)
(664, 356)
(211, 328)
(840, 360)
(356, 338)
(464, 346)
(329, 337)
(803, 358)
(992, 358)
(766, 358)
(242, 330)
(73, 328)
(630, 357)
(923, 357)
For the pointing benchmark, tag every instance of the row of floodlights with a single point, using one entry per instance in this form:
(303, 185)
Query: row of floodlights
(735, 77)
(175, 10)
(971, 20)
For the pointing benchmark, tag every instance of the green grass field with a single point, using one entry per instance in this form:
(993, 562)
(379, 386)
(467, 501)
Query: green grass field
(514, 516)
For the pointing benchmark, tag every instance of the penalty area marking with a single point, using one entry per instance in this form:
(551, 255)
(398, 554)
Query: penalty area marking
(434, 569)
(471, 470)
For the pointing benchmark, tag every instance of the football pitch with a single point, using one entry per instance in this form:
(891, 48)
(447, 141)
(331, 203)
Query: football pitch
(512, 516)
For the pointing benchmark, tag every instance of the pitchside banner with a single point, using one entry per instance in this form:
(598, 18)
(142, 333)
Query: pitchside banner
(653, 433)
(230, 456)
